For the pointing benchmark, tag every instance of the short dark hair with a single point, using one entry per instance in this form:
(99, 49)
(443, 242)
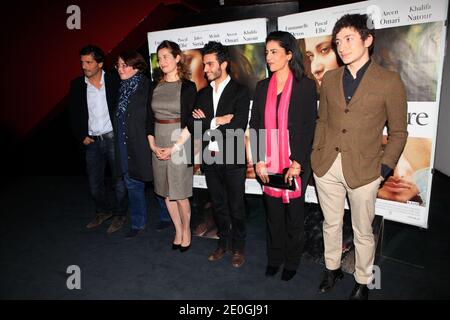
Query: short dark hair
(221, 51)
(359, 22)
(133, 59)
(94, 51)
(288, 42)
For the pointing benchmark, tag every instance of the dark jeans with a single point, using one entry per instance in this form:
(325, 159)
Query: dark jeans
(138, 204)
(98, 154)
(226, 187)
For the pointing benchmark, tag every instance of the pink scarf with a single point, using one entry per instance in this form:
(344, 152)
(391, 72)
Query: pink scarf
(277, 141)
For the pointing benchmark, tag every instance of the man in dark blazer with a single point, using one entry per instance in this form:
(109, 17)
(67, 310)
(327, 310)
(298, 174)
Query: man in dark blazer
(93, 98)
(223, 107)
(356, 102)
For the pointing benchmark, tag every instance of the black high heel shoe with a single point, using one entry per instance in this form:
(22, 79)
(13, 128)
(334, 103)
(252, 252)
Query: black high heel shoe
(184, 249)
(176, 246)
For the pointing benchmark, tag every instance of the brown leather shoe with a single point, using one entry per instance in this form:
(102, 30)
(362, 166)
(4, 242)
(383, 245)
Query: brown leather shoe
(116, 224)
(238, 258)
(201, 229)
(98, 220)
(217, 254)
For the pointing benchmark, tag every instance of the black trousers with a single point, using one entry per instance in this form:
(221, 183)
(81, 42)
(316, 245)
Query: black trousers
(285, 229)
(226, 185)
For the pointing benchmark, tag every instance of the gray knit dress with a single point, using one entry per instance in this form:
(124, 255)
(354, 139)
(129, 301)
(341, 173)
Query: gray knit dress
(173, 180)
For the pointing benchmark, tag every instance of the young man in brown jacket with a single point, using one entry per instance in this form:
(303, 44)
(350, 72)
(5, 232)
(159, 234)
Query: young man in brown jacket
(356, 101)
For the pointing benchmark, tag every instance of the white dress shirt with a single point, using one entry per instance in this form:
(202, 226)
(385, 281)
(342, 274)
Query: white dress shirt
(213, 145)
(99, 121)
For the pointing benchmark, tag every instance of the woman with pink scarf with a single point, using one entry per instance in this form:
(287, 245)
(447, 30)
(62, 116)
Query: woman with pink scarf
(283, 114)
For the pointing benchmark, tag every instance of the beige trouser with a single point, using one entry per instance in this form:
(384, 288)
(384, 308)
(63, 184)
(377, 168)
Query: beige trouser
(332, 189)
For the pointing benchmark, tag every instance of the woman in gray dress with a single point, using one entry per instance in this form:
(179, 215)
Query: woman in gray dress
(171, 105)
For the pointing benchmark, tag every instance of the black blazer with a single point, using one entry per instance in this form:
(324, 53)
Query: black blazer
(234, 100)
(187, 100)
(138, 148)
(78, 107)
(302, 116)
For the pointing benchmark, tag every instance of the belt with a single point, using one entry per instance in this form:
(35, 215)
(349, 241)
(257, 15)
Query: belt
(177, 120)
(104, 136)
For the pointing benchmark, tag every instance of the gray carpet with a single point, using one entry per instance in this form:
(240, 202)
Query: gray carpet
(43, 232)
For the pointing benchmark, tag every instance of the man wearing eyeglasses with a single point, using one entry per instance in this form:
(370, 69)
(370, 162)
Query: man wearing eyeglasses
(357, 100)
(92, 100)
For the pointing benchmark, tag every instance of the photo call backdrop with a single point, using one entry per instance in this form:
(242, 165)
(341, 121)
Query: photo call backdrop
(409, 38)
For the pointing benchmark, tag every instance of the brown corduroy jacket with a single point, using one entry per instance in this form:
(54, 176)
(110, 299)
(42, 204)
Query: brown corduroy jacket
(356, 130)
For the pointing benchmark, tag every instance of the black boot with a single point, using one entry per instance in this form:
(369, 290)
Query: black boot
(359, 292)
(288, 274)
(329, 279)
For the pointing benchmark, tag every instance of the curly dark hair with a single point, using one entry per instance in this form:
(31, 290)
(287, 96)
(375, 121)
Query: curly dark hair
(221, 51)
(359, 22)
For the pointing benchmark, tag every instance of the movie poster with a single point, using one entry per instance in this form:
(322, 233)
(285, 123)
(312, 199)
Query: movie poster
(409, 39)
(246, 42)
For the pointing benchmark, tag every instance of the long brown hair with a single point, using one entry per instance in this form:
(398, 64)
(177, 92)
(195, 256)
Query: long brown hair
(184, 73)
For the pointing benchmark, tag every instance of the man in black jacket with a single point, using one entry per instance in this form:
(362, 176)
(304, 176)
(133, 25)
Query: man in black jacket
(93, 98)
(223, 108)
